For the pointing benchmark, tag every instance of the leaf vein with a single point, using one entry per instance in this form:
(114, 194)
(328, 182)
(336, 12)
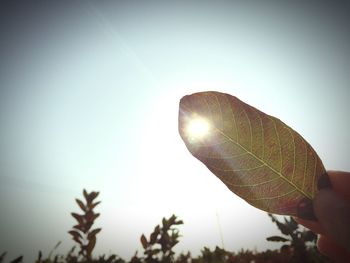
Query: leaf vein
(294, 147)
(314, 174)
(250, 129)
(248, 185)
(262, 133)
(270, 167)
(279, 143)
(222, 116)
(222, 157)
(233, 117)
(271, 197)
(236, 170)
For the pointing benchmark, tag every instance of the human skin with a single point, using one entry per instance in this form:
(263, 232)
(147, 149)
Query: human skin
(332, 209)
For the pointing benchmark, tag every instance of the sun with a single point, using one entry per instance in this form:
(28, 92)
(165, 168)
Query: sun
(197, 128)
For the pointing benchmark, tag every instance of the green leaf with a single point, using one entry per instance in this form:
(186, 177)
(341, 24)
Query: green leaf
(257, 156)
(277, 239)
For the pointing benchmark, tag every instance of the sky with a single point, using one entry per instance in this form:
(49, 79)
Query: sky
(89, 95)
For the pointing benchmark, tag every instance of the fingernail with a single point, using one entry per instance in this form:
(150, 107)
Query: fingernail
(305, 209)
(324, 182)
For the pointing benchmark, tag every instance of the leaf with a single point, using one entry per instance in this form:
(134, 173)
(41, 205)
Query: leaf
(85, 193)
(309, 236)
(257, 156)
(87, 226)
(80, 227)
(78, 217)
(165, 223)
(94, 232)
(144, 241)
(95, 204)
(284, 228)
(172, 220)
(277, 239)
(179, 222)
(81, 204)
(91, 216)
(91, 197)
(292, 225)
(154, 235)
(75, 234)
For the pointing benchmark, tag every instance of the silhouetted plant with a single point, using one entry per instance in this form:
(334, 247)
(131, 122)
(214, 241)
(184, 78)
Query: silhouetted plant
(159, 246)
(217, 255)
(48, 259)
(298, 239)
(184, 258)
(2, 256)
(16, 260)
(82, 233)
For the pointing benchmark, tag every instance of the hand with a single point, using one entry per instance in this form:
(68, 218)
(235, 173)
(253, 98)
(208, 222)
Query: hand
(332, 209)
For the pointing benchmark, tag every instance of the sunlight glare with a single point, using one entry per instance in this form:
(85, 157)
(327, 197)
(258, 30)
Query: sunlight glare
(197, 128)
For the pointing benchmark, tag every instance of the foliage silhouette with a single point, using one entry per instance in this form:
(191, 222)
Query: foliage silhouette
(16, 260)
(159, 246)
(82, 232)
(298, 238)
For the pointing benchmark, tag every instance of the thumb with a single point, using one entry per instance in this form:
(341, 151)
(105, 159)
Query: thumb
(333, 213)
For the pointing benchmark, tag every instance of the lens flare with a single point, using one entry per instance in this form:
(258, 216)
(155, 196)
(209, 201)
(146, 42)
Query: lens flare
(197, 128)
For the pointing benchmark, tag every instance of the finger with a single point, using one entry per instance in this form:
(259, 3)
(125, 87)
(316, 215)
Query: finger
(314, 226)
(340, 183)
(330, 249)
(333, 213)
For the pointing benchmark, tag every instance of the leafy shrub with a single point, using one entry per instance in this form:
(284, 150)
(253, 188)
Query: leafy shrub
(300, 244)
(82, 233)
(159, 246)
(298, 240)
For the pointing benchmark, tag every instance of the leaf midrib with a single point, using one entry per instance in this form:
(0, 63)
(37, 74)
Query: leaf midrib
(265, 163)
(252, 154)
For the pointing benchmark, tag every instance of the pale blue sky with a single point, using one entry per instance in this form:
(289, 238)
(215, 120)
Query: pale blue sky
(89, 99)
